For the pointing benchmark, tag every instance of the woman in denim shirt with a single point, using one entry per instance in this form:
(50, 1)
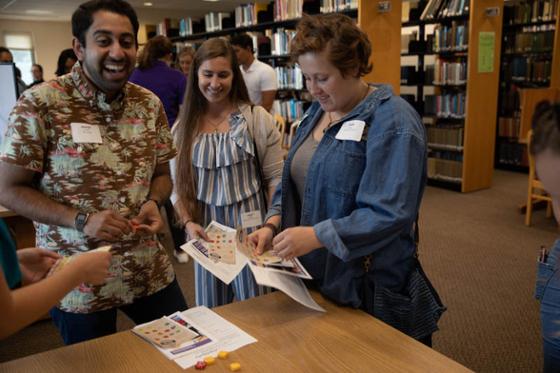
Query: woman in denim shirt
(352, 182)
(545, 146)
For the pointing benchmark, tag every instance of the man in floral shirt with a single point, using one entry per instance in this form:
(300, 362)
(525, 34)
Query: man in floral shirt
(86, 157)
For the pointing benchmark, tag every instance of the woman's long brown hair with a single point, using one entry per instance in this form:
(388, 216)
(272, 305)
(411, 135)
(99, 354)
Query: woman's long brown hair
(195, 105)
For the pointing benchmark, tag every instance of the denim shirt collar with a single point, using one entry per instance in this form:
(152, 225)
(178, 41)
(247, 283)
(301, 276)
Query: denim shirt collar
(365, 108)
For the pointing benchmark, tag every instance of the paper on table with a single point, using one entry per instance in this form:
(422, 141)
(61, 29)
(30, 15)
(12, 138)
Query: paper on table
(228, 336)
(200, 251)
(290, 285)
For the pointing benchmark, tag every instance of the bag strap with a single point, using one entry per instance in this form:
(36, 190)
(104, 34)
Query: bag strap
(258, 162)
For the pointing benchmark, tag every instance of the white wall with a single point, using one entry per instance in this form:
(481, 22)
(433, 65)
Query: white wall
(49, 39)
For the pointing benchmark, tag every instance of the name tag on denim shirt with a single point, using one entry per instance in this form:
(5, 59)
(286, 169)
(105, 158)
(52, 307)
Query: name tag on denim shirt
(83, 133)
(351, 130)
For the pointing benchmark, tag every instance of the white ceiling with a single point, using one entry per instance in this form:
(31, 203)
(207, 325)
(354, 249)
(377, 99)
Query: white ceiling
(61, 10)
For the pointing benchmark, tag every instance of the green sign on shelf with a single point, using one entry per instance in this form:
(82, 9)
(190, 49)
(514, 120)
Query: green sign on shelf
(486, 43)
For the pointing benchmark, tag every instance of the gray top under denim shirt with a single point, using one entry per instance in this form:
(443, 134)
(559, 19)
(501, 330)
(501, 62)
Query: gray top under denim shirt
(360, 197)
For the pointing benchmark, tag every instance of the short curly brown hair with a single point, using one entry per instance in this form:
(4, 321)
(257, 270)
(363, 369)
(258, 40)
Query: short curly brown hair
(347, 46)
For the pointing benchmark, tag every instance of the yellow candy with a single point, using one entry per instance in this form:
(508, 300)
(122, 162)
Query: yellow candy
(234, 367)
(223, 354)
(209, 360)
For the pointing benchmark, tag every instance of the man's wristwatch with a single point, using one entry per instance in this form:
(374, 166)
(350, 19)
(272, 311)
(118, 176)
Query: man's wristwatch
(81, 220)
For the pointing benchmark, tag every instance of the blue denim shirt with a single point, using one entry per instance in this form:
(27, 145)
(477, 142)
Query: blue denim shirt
(360, 197)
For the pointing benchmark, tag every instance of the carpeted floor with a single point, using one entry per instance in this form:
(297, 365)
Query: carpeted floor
(480, 257)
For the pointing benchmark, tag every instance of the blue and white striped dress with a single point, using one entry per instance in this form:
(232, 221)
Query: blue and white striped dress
(227, 185)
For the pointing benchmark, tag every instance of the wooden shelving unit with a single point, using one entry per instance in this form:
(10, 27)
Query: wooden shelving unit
(520, 94)
(384, 31)
(464, 163)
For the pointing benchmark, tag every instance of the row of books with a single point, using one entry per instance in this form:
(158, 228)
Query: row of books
(509, 100)
(450, 105)
(331, 6)
(529, 69)
(168, 27)
(451, 136)
(450, 73)
(512, 153)
(530, 40)
(290, 109)
(248, 14)
(280, 41)
(445, 169)
(530, 11)
(509, 126)
(451, 38)
(289, 77)
(445, 8)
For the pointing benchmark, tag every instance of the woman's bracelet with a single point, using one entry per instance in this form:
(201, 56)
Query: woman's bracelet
(272, 227)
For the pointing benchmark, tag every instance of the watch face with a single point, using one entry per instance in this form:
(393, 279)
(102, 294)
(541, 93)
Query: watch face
(80, 221)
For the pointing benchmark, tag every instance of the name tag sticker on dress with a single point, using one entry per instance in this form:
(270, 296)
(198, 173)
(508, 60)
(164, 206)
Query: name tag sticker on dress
(251, 219)
(83, 133)
(351, 130)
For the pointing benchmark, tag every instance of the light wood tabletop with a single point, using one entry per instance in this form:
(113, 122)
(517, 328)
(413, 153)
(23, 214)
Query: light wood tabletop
(291, 338)
(4, 212)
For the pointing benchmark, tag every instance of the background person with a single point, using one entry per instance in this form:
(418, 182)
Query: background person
(352, 182)
(185, 58)
(216, 173)
(97, 175)
(154, 73)
(545, 147)
(37, 72)
(259, 77)
(66, 59)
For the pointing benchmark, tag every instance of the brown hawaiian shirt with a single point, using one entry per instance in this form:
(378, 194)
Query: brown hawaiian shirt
(114, 174)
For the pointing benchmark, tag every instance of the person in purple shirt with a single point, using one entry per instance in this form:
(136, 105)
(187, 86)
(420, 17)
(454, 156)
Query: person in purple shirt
(154, 73)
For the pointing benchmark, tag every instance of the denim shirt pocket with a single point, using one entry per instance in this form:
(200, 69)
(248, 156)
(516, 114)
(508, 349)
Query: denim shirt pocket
(346, 162)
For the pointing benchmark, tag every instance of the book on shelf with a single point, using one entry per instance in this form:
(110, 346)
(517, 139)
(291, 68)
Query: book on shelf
(445, 169)
(450, 136)
(450, 73)
(451, 38)
(289, 77)
(512, 153)
(436, 9)
(291, 109)
(448, 105)
(509, 126)
(280, 41)
(531, 11)
(528, 69)
(216, 21)
(331, 6)
(247, 14)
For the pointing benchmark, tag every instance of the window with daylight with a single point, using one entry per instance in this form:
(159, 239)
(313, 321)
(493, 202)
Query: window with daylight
(21, 46)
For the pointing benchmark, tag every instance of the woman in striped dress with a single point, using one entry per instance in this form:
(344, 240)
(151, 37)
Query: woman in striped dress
(220, 137)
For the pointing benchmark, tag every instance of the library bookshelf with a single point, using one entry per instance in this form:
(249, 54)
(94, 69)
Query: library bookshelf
(272, 27)
(530, 72)
(462, 53)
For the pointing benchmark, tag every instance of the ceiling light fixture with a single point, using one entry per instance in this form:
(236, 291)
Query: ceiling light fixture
(148, 4)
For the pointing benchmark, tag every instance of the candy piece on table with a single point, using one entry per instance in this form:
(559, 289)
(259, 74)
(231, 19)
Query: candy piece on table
(200, 365)
(234, 367)
(223, 354)
(209, 360)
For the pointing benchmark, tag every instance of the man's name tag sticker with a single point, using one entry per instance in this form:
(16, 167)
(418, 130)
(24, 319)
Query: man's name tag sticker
(251, 219)
(83, 133)
(351, 130)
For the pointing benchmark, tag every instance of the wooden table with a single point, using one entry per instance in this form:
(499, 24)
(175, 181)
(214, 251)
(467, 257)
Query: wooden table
(4, 212)
(290, 337)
